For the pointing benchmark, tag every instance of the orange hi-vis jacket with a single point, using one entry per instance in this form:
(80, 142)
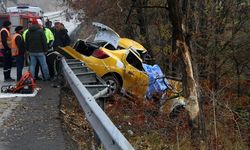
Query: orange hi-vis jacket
(8, 38)
(14, 47)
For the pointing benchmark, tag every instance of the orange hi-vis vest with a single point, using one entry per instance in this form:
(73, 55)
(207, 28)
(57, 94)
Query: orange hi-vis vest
(8, 38)
(14, 48)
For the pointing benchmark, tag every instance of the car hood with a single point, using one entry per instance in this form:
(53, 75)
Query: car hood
(106, 34)
(127, 43)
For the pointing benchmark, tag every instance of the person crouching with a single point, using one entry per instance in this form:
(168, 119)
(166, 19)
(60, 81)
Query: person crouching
(36, 45)
(18, 51)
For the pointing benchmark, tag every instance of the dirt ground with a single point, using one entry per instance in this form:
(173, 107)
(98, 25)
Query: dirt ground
(76, 123)
(139, 122)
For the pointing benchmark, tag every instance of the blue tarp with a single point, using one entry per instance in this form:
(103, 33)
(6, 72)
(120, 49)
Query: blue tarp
(157, 81)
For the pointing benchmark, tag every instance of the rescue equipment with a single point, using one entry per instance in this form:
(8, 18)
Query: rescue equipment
(26, 85)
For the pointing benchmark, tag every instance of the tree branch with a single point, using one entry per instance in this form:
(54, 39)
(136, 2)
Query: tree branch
(162, 7)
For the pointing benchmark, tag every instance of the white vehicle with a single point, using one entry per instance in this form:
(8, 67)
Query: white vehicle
(26, 9)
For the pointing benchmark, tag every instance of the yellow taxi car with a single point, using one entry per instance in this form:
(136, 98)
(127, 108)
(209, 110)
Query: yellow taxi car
(118, 61)
(120, 69)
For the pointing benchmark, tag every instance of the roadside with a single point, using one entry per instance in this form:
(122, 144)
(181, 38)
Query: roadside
(7, 104)
(34, 122)
(75, 121)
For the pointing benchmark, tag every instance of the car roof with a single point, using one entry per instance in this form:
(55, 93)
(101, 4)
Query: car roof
(25, 8)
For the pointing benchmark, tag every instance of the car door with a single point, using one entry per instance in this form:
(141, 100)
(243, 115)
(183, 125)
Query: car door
(135, 79)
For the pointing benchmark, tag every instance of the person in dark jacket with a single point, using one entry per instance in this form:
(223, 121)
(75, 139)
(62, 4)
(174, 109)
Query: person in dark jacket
(62, 38)
(18, 50)
(36, 45)
(5, 46)
(50, 39)
(48, 24)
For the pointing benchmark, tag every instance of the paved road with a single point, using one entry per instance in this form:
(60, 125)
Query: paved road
(33, 123)
(7, 105)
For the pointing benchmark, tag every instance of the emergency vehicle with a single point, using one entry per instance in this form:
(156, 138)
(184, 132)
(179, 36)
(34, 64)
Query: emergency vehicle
(19, 16)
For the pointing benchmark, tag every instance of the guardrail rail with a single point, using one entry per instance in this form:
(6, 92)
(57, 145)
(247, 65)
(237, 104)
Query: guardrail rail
(88, 88)
(55, 15)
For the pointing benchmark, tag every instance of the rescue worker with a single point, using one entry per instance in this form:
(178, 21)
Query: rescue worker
(25, 31)
(49, 36)
(50, 39)
(36, 77)
(5, 46)
(26, 56)
(62, 38)
(36, 45)
(18, 50)
(48, 24)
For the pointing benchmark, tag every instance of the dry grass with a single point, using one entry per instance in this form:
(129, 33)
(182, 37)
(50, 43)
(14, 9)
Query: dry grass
(147, 128)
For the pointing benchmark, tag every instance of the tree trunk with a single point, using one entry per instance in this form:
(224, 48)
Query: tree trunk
(143, 23)
(238, 73)
(180, 40)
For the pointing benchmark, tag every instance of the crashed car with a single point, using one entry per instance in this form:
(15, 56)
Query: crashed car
(121, 69)
(119, 61)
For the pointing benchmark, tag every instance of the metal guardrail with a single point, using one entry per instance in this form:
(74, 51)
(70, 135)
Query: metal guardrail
(54, 16)
(110, 136)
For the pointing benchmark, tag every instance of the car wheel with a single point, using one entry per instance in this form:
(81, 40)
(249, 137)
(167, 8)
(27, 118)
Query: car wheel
(112, 81)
